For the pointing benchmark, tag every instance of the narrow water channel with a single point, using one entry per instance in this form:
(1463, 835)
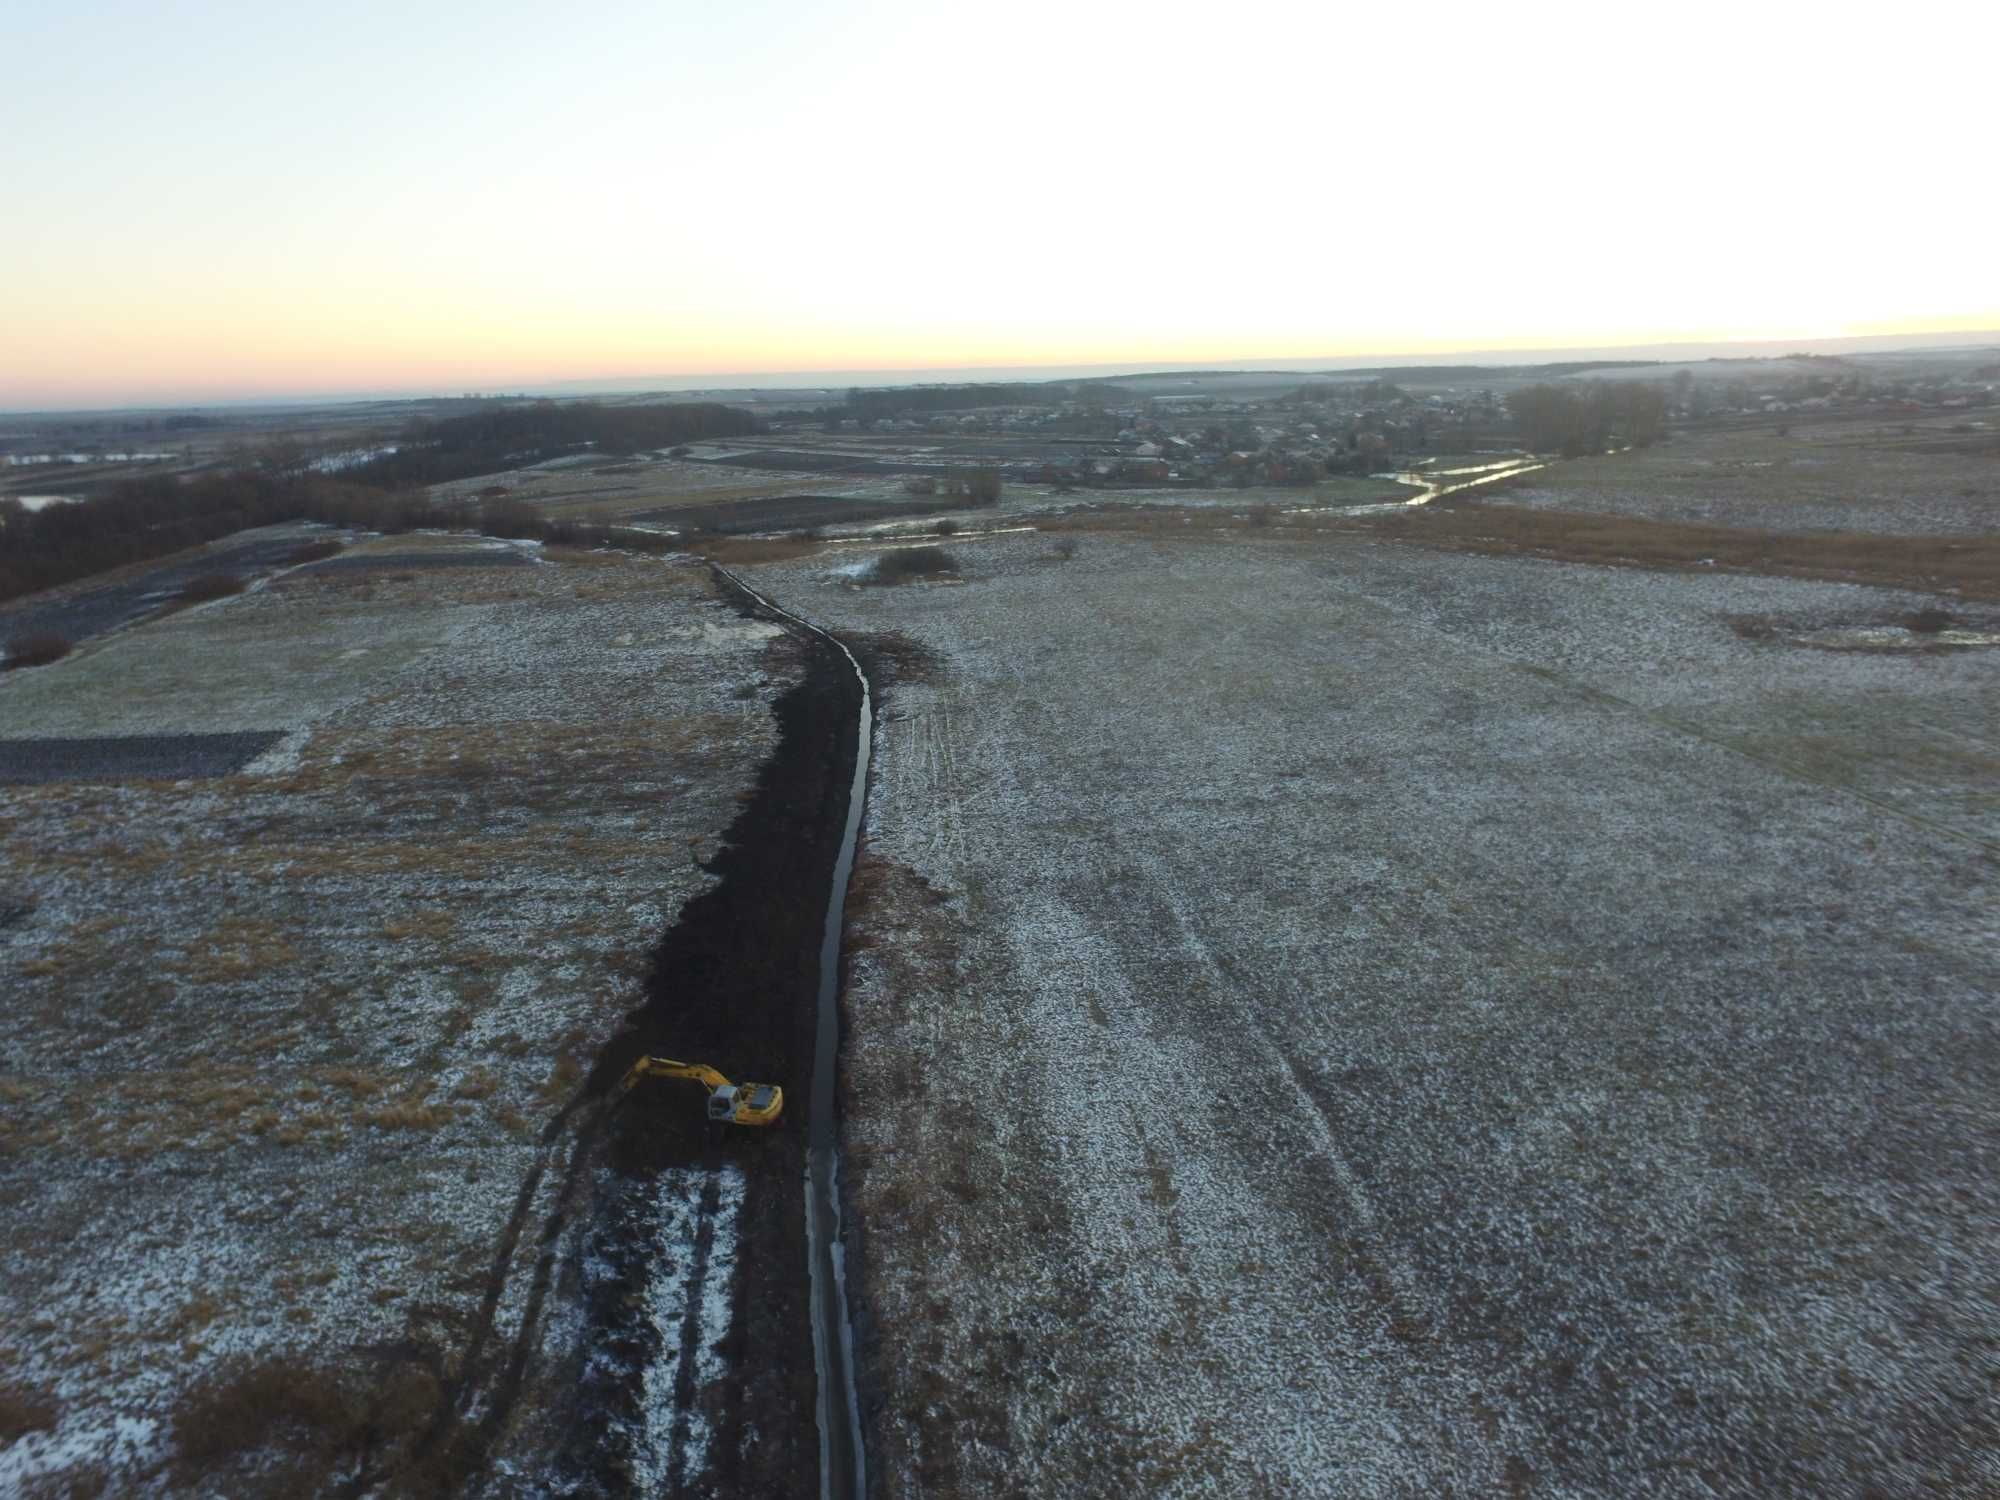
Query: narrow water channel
(1431, 484)
(842, 1459)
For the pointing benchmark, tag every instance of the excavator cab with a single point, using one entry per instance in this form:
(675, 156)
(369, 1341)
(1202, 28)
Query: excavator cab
(730, 1103)
(745, 1103)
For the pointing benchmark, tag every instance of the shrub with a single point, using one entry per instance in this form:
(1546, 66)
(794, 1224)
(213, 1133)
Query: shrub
(945, 528)
(510, 518)
(211, 586)
(1753, 627)
(1262, 515)
(278, 1402)
(1064, 549)
(318, 1416)
(1930, 621)
(313, 552)
(35, 650)
(912, 563)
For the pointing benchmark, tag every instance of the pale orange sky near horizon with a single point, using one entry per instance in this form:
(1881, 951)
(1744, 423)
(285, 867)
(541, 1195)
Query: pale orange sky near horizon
(226, 204)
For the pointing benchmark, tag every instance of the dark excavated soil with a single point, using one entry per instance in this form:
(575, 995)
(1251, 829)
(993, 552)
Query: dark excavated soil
(734, 984)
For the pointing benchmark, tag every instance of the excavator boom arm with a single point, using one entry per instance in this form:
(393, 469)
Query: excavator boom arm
(666, 1067)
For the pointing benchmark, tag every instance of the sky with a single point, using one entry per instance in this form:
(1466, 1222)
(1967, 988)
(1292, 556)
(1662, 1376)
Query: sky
(216, 200)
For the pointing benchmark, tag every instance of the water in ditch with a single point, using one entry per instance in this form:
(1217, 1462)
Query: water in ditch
(842, 1464)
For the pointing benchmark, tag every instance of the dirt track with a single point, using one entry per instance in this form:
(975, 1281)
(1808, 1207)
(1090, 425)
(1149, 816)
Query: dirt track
(791, 512)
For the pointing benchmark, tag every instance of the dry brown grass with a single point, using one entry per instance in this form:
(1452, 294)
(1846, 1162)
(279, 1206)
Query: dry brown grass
(237, 948)
(35, 651)
(562, 1079)
(23, 1410)
(212, 586)
(582, 557)
(435, 925)
(478, 1084)
(409, 1112)
(361, 1083)
(732, 553)
(1970, 565)
(313, 1418)
(393, 762)
(195, 1315)
(314, 552)
(142, 1113)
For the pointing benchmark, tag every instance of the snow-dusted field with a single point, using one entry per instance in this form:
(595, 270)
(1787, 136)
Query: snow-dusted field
(281, 1047)
(1334, 1019)
(1820, 477)
(605, 485)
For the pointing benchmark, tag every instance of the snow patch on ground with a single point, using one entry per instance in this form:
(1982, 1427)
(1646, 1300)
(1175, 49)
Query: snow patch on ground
(673, 1447)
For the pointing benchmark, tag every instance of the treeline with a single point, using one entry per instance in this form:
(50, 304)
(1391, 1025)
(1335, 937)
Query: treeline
(505, 436)
(148, 518)
(83, 432)
(1588, 418)
(141, 519)
(874, 404)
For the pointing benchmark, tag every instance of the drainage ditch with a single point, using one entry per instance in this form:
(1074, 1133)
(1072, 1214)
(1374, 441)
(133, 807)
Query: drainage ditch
(842, 1454)
(695, 1376)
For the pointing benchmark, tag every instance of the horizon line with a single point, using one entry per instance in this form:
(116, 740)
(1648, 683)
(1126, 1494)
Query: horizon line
(1687, 350)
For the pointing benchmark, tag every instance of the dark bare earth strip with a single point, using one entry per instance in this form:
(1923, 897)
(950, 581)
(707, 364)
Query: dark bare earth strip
(135, 757)
(788, 511)
(733, 984)
(79, 614)
(421, 562)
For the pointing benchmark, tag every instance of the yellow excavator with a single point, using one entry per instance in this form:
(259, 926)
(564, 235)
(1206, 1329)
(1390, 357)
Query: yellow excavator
(736, 1103)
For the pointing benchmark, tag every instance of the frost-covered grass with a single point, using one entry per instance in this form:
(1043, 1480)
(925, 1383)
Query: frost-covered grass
(280, 1045)
(1338, 1019)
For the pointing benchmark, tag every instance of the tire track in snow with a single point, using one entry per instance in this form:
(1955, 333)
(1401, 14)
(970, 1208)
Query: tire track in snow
(688, 1302)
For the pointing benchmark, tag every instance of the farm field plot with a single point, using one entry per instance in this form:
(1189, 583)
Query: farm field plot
(99, 605)
(1858, 475)
(294, 1023)
(602, 486)
(1339, 1019)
